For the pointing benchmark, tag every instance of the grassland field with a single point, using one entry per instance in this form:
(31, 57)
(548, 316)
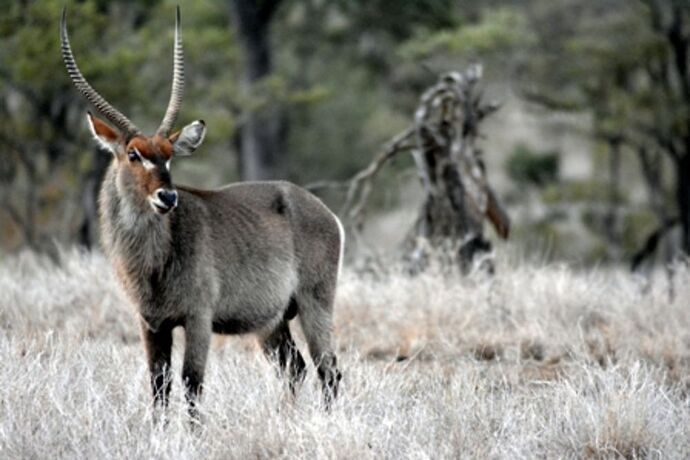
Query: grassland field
(537, 361)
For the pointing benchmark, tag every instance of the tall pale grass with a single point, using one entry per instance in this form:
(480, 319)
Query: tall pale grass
(532, 362)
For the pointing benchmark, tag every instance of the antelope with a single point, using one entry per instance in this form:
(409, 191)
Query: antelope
(245, 258)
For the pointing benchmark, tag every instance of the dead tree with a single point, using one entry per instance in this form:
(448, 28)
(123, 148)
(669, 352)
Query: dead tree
(443, 141)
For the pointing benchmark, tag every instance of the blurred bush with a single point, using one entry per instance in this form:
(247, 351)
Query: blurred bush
(527, 167)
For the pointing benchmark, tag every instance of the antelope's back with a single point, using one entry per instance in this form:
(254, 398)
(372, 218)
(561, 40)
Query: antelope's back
(260, 227)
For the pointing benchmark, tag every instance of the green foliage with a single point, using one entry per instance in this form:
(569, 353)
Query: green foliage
(527, 167)
(497, 31)
(578, 191)
(336, 135)
(399, 19)
(341, 104)
(637, 226)
(125, 61)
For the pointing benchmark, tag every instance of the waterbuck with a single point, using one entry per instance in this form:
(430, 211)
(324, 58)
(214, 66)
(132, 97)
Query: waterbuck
(246, 258)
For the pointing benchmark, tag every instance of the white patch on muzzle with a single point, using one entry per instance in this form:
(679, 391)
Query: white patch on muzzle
(160, 206)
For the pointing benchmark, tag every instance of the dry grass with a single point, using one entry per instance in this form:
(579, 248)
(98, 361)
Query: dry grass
(534, 362)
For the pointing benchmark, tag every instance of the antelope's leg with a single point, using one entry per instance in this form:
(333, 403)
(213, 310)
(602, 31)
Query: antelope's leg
(158, 345)
(197, 341)
(280, 348)
(316, 318)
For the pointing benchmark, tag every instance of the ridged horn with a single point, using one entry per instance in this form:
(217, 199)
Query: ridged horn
(177, 83)
(102, 106)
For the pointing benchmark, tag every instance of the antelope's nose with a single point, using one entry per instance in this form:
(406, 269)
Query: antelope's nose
(167, 197)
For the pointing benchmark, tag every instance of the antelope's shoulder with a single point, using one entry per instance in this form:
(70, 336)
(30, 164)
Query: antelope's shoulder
(270, 205)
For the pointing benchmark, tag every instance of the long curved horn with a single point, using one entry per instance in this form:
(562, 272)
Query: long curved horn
(101, 105)
(177, 83)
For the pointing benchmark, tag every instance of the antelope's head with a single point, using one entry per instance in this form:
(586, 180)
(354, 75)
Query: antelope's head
(143, 162)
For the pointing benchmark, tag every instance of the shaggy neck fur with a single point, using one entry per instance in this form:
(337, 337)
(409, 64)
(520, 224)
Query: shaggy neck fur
(136, 238)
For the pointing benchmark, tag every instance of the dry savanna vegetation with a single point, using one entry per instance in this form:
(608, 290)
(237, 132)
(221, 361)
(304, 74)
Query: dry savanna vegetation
(536, 361)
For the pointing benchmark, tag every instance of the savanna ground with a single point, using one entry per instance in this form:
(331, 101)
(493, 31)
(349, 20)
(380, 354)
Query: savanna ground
(537, 361)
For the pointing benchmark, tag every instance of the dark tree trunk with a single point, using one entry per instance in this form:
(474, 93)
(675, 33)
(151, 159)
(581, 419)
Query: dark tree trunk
(650, 162)
(651, 166)
(678, 38)
(88, 230)
(611, 227)
(262, 135)
(683, 199)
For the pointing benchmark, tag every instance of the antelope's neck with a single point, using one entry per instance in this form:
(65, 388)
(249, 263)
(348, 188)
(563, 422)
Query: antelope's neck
(136, 240)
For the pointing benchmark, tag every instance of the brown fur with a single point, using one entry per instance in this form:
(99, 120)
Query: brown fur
(152, 148)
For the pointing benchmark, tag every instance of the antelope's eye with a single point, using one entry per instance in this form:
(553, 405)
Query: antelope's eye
(133, 155)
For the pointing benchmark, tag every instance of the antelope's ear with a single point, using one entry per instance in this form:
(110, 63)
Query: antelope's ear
(106, 136)
(185, 142)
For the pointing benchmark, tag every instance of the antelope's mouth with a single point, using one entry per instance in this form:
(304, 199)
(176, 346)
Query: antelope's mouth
(159, 207)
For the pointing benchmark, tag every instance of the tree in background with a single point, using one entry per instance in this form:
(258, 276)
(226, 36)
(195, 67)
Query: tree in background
(262, 134)
(666, 122)
(348, 90)
(628, 65)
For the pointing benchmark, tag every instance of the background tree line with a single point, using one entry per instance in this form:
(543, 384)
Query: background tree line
(311, 90)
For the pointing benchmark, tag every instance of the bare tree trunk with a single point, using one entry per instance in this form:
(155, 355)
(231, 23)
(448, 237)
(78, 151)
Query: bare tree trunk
(458, 196)
(449, 219)
(262, 135)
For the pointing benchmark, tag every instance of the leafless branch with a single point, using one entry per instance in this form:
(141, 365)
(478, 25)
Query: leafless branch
(360, 185)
